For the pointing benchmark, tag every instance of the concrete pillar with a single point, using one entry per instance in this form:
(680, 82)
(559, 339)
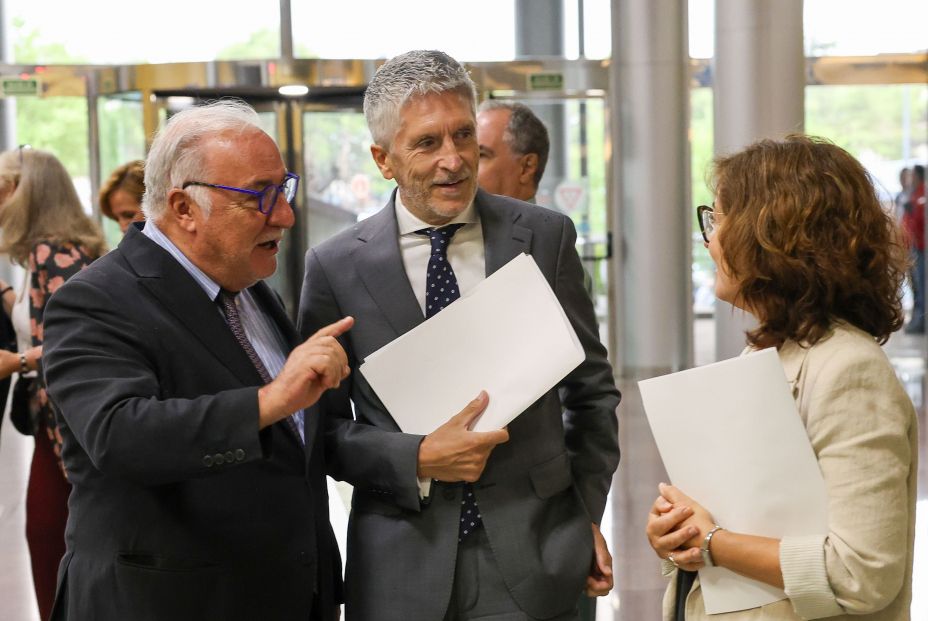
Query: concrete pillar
(649, 116)
(759, 86)
(649, 104)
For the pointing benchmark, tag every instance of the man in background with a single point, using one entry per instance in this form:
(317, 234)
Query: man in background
(514, 149)
(913, 222)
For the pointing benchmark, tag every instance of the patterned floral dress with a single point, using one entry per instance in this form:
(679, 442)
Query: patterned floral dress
(50, 265)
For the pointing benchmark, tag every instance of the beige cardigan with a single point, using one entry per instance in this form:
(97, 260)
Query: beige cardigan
(863, 430)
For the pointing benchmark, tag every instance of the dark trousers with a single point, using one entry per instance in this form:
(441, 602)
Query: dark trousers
(46, 516)
(479, 592)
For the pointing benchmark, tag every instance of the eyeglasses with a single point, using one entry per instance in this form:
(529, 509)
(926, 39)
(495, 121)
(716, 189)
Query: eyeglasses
(267, 197)
(707, 221)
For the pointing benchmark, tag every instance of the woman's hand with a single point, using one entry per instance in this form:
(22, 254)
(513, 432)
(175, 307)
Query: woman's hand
(9, 363)
(668, 531)
(699, 518)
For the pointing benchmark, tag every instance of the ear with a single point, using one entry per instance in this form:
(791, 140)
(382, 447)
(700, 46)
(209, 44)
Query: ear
(180, 210)
(381, 158)
(528, 165)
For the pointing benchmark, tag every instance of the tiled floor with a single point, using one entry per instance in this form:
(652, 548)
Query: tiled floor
(639, 585)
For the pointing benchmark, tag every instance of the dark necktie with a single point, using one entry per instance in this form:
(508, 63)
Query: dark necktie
(230, 310)
(441, 289)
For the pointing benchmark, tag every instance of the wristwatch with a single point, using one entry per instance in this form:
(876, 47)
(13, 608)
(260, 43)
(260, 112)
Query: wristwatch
(704, 548)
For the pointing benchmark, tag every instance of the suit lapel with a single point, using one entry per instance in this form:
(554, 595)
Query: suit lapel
(380, 267)
(170, 284)
(503, 237)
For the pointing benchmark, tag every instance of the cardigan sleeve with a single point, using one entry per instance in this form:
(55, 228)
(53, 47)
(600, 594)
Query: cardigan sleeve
(859, 421)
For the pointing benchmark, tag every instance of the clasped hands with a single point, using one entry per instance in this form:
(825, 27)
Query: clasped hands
(677, 525)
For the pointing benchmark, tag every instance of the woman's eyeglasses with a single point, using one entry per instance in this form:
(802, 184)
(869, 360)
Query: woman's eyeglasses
(707, 223)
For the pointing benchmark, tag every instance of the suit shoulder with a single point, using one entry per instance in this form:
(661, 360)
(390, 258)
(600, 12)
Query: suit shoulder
(526, 214)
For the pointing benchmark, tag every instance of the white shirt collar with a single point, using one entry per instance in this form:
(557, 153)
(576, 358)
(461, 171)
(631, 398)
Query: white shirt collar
(408, 223)
(209, 286)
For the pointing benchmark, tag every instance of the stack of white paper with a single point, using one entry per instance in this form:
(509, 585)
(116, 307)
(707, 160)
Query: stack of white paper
(732, 440)
(508, 336)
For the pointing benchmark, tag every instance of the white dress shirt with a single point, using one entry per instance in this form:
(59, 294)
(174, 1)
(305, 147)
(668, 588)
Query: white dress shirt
(465, 254)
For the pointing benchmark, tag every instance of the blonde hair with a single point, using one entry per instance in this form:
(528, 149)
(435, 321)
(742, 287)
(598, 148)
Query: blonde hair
(41, 204)
(130, 177)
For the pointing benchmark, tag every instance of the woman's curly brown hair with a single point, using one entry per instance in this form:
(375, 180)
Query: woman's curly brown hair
(807, 241)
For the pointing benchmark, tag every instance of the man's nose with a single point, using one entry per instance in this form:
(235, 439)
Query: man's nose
(282, 216)
(449, 155)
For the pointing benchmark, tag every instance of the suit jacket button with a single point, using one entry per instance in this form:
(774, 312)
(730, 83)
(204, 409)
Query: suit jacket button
(218, 459)
(208, 461)
(304, 558)
(230, 457)
(239, 455)
(449, 493)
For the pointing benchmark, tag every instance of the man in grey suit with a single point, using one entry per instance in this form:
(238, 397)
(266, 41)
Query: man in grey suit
(458, 524)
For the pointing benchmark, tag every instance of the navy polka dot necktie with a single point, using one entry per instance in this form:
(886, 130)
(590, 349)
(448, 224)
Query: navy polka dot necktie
(441, 289)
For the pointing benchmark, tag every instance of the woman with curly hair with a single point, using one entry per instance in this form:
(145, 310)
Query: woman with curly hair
(121, 194)
(801, 242)
(44, 230)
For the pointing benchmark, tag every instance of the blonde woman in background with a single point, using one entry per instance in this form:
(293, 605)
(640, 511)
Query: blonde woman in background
(121, 194)
(43, 228)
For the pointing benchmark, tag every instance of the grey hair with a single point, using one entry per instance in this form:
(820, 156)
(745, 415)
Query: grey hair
(525, 132)
(176, 154)
(406, 76)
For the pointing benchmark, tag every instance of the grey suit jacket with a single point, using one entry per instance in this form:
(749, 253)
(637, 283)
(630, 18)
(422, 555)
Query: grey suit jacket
(539, 492)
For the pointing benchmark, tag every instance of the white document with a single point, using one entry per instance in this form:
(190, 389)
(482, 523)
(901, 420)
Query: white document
(731, 439)
(508, 336)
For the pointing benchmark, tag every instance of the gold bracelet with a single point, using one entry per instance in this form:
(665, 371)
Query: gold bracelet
(23, 365)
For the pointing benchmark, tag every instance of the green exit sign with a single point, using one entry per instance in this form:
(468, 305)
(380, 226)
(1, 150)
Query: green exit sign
(547, 81)
(17, 87)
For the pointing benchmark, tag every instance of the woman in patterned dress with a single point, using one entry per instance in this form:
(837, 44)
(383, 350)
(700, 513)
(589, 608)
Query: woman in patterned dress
(43, 229)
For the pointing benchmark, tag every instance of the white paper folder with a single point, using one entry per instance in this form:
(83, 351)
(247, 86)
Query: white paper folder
(508, 336)
(731, 438)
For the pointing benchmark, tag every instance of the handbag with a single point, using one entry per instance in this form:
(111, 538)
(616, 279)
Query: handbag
(22, 414)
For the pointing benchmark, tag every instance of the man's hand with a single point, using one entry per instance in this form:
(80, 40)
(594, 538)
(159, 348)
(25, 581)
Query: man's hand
(600, 581)
(312, 368)
(453, 452)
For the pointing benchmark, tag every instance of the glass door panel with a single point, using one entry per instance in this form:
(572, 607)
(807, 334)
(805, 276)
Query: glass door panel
(122, 139)
(574, 183)
(342, 185)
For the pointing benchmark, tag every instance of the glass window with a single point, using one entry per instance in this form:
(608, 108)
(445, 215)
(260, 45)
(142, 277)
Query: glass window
(842, 28)
(701, 153)
(701, 22)
(597, 29)
(122, 139)
(481, 30)
(58, 125)
(45, 32)
(883, 126)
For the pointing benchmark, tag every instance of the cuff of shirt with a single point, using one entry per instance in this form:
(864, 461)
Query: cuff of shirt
(425, 488)
(805, 579)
